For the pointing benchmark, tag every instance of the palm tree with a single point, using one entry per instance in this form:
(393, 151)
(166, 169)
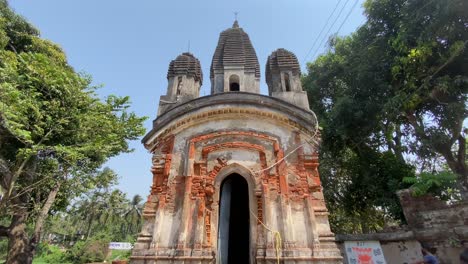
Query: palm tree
(133, 216)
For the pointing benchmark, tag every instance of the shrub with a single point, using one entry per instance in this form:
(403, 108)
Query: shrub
(3, 249)
(440, 184)
(50, 254)
(92, 250)
(119, 255)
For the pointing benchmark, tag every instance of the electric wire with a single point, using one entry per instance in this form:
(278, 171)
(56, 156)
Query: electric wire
(347, 16)
(321, 31)
(329, 29)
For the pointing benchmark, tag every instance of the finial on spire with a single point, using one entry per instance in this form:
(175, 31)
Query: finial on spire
(236, 24)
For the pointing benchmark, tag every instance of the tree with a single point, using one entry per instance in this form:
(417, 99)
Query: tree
(397, 86)
(54, 131)
(103, 210)
(133, 215)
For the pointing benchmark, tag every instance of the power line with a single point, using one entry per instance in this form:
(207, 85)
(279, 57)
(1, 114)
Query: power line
(367, 46)
(347, 16)
(416, 12)
(321, 31)
(329, 29)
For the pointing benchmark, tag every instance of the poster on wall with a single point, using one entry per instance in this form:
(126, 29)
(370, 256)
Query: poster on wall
(364, 252)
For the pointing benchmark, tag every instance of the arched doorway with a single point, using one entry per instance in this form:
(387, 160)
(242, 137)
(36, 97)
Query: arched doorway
(287, 82)
(234, 83)
(234, 221)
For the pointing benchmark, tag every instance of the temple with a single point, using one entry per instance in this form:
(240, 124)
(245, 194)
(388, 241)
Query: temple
(235, 176)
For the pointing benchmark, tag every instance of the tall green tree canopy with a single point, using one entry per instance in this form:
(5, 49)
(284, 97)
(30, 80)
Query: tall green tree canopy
(396, 87)
(54, 131)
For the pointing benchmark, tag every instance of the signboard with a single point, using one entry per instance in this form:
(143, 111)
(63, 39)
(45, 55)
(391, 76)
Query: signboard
(364, 252)
(120, 245)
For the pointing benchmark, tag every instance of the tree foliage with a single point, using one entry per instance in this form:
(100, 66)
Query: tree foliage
(440, 184)
(103, 210)
(54, 131)
(393, 91)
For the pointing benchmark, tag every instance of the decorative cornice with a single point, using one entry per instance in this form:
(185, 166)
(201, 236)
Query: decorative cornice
(232, 104)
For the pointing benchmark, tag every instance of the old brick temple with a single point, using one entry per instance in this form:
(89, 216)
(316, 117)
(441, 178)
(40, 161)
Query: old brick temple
(235, 175)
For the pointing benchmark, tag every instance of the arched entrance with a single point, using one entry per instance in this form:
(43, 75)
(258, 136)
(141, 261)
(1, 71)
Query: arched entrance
(234, 221)
(234, 85)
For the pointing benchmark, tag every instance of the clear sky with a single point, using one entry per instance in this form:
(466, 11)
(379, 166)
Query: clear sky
(127, 45)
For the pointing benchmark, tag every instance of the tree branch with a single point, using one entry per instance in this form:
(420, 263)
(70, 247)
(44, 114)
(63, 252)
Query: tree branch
(22, 165)
(4, 231)
(443, 149)
(461, 149)
(5, 172)
(36, 237)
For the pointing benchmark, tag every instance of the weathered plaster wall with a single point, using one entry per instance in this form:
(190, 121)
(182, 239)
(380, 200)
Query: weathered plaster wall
(401, 251)
(397, 247)
(298, 98)
(437, 224)
(247, 80)
(189, 89)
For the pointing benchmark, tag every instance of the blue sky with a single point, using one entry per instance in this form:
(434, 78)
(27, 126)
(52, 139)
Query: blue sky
(127, 45)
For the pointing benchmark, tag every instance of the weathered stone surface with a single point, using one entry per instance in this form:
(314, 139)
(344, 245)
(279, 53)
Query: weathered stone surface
(186, 64)
(281, 60)
(184, 78)
(437, 224)
(283, 76)
(432, 219)
(387, 237)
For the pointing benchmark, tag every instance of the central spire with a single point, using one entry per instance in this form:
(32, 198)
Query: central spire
(235, 65)
(236, 24)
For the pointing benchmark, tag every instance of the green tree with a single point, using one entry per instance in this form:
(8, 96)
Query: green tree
(133, 216)
(102, 210)
(396, 87)
(54, 131)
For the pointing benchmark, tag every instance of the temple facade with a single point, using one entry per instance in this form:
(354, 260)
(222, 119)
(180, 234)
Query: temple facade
(235, 176)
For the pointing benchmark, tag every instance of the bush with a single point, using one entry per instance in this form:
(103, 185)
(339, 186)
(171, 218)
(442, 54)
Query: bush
(3, 249)
(440, 184)
(50, 254)
(92, 250)
(119, 255)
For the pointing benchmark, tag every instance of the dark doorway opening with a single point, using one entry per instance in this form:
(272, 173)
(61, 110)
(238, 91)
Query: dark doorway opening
(234, 81)
(234, 87)
(287, 82)
(234, 221)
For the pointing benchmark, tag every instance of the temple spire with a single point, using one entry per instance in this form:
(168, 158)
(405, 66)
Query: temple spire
(236, 24)
(234, 67)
